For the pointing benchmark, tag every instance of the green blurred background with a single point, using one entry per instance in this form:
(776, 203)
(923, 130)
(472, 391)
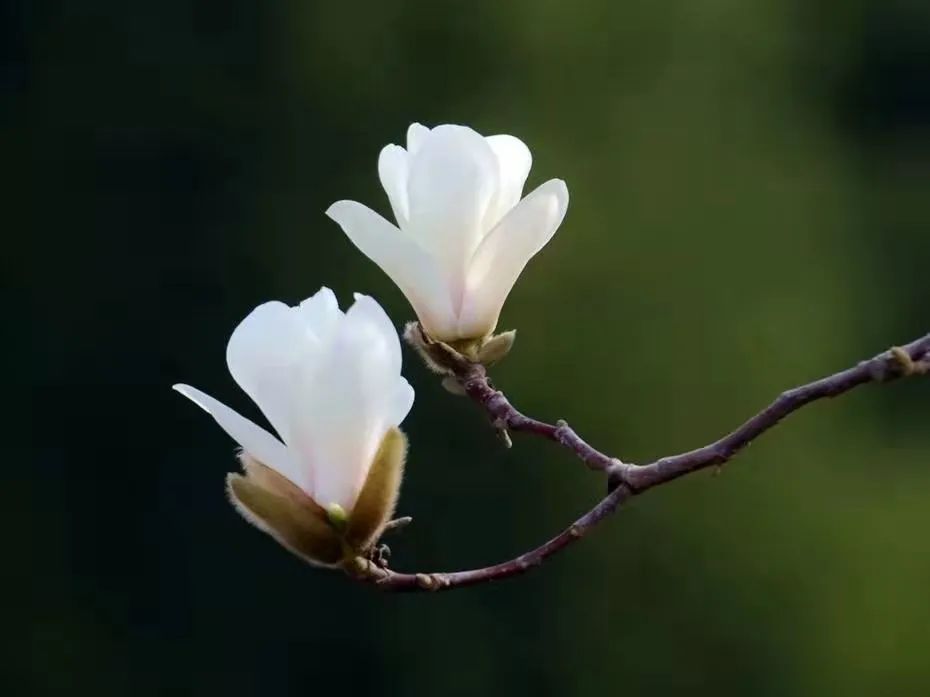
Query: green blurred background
(750, 210)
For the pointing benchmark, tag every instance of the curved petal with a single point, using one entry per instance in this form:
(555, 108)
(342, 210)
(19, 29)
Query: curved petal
(255, 440)
(515, 161)
(375, 366)
(504, 253)
(320, 314)
(401, 258)
(355, 396)
(416, 133)
(392, 171)
(369, 320)
(345, 417)
(453, 179)
(400, 403)
(266, 350)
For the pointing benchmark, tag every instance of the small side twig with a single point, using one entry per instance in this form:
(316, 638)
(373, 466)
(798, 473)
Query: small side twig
(503, 414)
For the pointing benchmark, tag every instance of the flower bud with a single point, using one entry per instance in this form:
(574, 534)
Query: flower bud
(329, 382)
(464, 230)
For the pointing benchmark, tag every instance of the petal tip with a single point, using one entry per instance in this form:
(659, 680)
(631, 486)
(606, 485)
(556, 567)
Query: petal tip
(325, 293)
(559, 189)
(390, 148)
(335, 210)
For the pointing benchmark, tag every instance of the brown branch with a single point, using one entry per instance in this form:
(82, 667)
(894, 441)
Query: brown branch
(627, 480)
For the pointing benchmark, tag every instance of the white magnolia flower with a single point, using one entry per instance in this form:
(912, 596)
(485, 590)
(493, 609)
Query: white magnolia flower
(328, 382)
(463, 234)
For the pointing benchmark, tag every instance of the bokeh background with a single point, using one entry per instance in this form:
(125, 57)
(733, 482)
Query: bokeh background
(750, 209)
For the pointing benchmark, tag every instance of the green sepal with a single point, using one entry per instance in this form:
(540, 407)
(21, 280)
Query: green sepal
(496, 347)
(455, 357)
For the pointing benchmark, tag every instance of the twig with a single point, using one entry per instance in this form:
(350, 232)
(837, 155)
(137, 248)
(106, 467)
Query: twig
(628, 480)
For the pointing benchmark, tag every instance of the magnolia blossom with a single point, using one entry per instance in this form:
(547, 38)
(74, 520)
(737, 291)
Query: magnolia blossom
(328, 382)
(463, 234)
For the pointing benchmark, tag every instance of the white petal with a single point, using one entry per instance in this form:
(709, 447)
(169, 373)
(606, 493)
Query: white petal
(401, 401)
(320, 314)
(453, 178)
(367, 364)
(355, 397)
(369, 320)
(401, 258)
(392, 170)
(345, 417)
(255, 440)
(265, 353)
(380, 359)
(505, 252)
(415, 136)
(515, 160)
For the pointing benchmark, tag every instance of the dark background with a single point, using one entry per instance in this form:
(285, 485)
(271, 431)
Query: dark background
(750, 210)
